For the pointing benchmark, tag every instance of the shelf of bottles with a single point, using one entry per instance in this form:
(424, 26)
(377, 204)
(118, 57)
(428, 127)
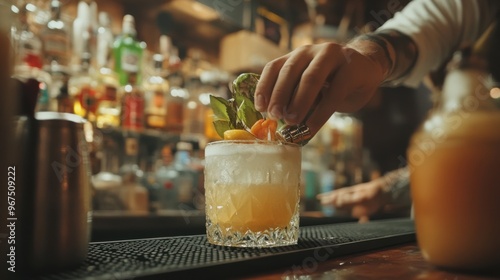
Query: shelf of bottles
(147, 111)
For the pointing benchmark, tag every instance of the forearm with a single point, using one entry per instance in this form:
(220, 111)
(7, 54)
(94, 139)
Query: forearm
(438, 28)
(393, 51)
(397, 185)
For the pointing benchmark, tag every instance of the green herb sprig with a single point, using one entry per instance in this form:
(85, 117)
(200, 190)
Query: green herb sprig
(239, 111)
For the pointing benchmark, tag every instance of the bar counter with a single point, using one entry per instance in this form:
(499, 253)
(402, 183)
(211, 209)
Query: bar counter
(114, 225)
(381, 249)
(396, 262)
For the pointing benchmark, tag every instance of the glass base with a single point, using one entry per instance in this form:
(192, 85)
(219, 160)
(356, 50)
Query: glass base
(272, 237)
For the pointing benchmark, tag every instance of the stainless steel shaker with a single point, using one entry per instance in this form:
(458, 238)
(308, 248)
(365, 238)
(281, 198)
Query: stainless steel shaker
(57, 200)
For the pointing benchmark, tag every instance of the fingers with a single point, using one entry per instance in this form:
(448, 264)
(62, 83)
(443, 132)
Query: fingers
(348, 200)
(266, 83)
(342, 198)
(312, 82)
(326, 198)
(360, 200)
(332, 99)
(290, 84)
(278, 88)
(350, 196)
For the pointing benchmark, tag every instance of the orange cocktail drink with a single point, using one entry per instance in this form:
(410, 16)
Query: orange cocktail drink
(456, 191)
(252, 193)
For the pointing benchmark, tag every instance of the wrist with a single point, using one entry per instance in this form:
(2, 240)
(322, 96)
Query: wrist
(392, 50)
(378, 50)
(396, 184)
(405, 54)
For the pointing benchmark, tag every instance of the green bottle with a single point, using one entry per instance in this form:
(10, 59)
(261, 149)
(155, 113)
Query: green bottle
(128, 51)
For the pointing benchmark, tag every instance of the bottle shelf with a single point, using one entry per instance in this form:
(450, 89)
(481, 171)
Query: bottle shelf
(146, 134)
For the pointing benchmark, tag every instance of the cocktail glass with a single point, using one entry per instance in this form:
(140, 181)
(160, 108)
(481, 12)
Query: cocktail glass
(252, 193)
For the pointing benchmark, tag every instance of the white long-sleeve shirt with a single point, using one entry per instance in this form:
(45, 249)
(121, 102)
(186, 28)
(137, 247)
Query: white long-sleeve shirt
(440, 27)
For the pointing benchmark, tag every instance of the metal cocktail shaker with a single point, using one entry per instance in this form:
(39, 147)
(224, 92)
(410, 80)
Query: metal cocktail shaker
(54, 188)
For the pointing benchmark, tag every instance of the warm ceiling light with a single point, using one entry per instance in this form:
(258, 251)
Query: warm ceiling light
(194, 9)
(495, 93)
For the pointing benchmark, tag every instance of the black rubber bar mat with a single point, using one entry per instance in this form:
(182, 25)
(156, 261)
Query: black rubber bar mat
(190, 256)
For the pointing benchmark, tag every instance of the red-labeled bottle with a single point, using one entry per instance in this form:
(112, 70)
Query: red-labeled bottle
(132, 117)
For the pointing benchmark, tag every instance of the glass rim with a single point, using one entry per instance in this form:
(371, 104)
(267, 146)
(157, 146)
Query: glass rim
(256, 141)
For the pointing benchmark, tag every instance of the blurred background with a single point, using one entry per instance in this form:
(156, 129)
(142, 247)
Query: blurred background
(141, 73)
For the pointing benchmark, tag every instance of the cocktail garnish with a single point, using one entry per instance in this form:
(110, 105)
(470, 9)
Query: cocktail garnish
(265, 129)
(238, 134)
(239, 111)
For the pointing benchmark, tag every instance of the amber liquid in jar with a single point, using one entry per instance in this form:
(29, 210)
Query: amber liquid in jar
(456, 191)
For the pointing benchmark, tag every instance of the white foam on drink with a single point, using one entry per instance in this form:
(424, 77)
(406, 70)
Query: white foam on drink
(252, 163)
(226, 149)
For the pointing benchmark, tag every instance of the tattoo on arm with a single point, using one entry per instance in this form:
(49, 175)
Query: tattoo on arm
(372, 37)
(404, 53)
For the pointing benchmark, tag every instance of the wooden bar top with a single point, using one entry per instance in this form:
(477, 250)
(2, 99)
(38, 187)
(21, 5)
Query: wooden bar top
(398, 262)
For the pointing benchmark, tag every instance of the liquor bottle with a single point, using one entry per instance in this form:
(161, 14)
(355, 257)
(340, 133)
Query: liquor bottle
(44, 99)
(156, 90)
(59, 78)
(64, 101)
(310, 184)
(84, 29)
(165, 48)
(104, 41)
(197, 167)
(27, 45)
(194, 111)
(176, 99)
(82, 87)
(187, 176)
(175, 178)
(131, 156)
(166, 178)
(346, 131)
(150, 183)
(174, 66)
(132, 105)
(44, 79)
(107, 183)
(55, 38)
(133, 194)
(108, 108)
(213, 86)
(28, 57)
(128, 52)
(197, 109)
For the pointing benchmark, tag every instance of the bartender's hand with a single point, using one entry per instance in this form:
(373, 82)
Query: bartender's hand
(346, 77)
(389, 193)
(361, 201)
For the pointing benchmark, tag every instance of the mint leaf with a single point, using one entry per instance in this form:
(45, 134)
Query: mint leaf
(220, 107)
(225, 110)
(221, 126)
(245, 84)
(238, 112)
(246, 111)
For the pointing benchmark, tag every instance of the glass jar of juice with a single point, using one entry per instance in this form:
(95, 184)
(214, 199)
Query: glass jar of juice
(454, 161)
